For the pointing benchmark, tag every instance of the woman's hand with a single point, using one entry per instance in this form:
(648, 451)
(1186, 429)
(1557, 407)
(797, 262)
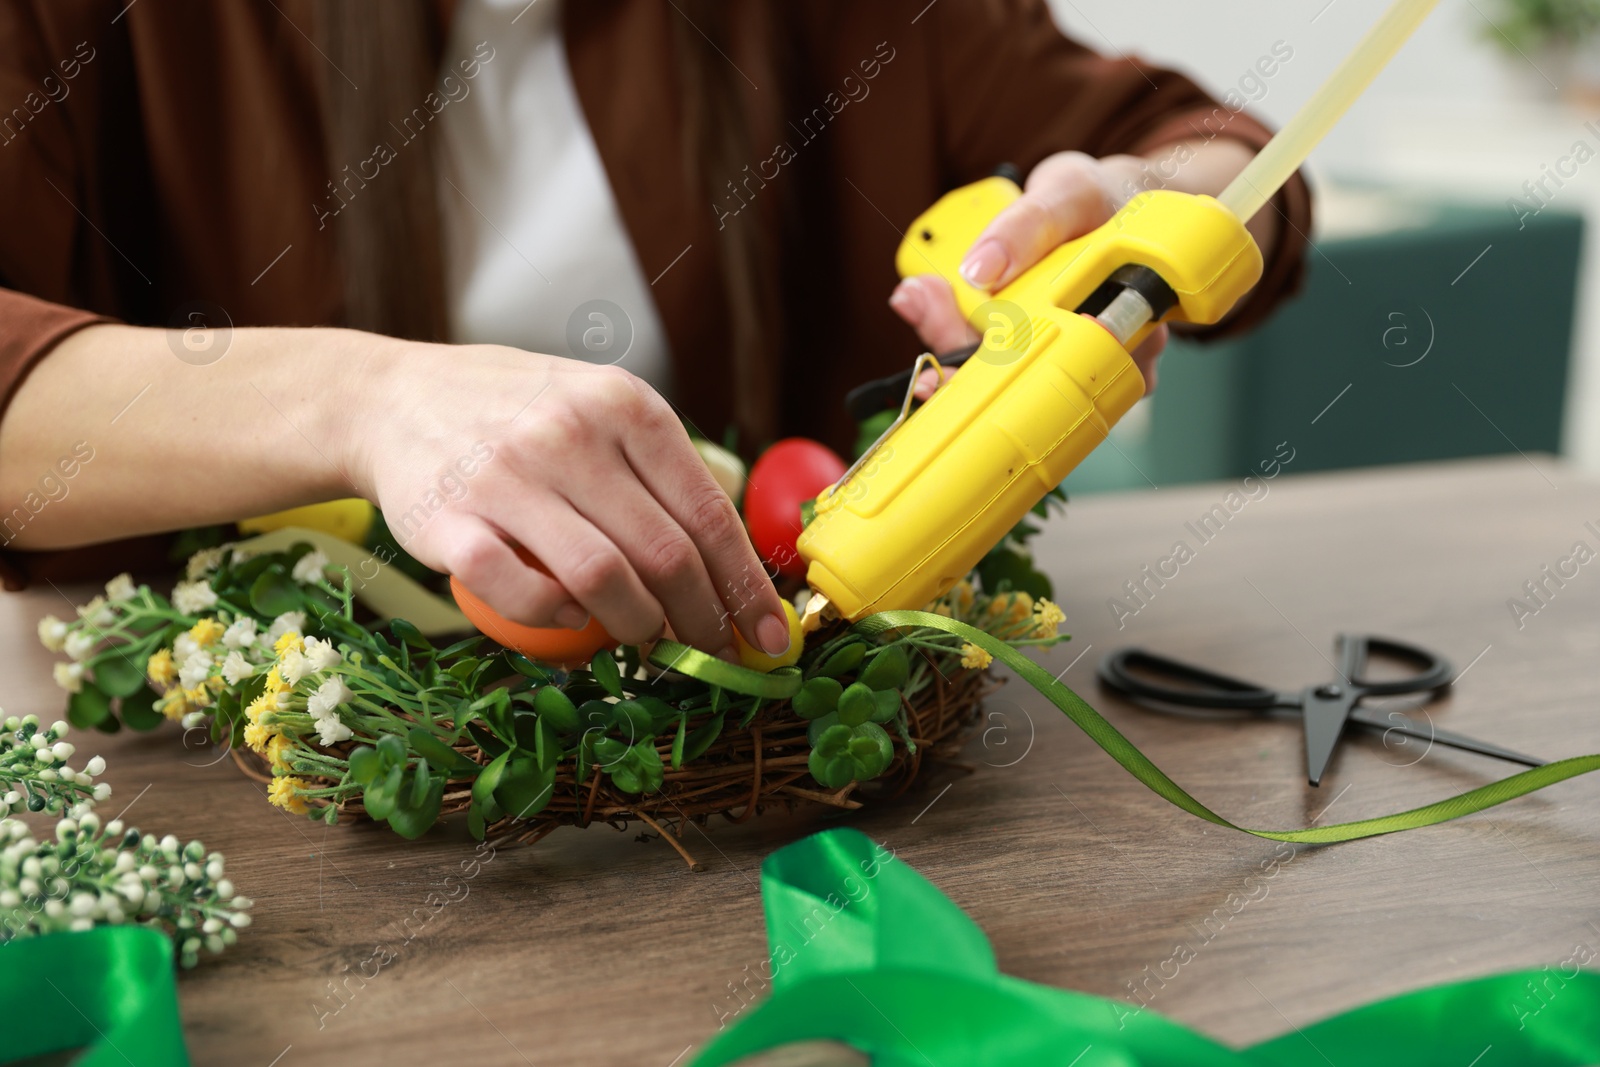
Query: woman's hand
(1066, 196)
(586, 467)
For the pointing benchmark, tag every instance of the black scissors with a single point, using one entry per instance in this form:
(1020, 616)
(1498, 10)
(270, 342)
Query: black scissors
(1326, 707)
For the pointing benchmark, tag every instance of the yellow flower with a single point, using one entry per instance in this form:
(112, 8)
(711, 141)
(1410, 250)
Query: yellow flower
(257, 737)
(174, 705)
(160, 668)
(274, 681)
(206, 632)
(267, 701)
(974, 658)
(278, 750)
(1047, 618)
(285, 793)
(1011, 607)
(198, 697)
(289, 640)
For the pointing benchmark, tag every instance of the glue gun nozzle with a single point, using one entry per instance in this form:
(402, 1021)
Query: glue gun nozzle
(817, 608)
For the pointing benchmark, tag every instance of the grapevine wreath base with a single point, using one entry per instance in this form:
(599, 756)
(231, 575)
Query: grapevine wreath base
(743, 773)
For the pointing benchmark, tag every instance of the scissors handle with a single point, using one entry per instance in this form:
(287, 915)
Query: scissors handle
(1204, 689)
(1433, 671)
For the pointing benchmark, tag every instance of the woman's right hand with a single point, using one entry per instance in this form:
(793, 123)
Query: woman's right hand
(469, 448)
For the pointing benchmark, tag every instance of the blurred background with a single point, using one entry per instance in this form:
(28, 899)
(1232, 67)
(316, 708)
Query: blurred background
(1449, 305)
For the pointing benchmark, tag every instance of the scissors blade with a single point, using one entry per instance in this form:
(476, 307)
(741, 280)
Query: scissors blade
(1326, 707)
(1377, 720)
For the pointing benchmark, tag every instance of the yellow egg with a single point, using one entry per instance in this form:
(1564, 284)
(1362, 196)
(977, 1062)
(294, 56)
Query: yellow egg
(349, 520)
(758, 660)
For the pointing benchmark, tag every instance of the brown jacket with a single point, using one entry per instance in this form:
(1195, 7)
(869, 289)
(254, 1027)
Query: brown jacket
(163, 152)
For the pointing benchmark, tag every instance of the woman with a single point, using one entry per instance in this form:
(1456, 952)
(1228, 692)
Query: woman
(263, 254)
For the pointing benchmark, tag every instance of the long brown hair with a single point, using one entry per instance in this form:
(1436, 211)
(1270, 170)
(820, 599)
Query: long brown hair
(389, 235)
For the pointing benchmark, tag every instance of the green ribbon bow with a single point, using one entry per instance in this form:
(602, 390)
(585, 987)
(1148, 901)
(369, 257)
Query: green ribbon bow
(866, 951)
(109, 992)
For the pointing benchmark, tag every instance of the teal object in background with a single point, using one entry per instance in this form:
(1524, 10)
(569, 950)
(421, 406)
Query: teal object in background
(1495, 301)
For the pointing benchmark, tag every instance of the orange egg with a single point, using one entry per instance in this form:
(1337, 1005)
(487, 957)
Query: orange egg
(554, 645)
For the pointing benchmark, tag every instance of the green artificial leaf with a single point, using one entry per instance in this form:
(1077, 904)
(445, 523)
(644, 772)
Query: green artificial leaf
(677, 741)
(365, 764)
(608, 750)
(88, 707)
(381, 798)
(888, 701)
(139, 711)
(817, 727)
(273, 593)
(834, 740)
(392, 750)
(494, 709)
(632, 718)
(525, 787)
(408, 633)
(889, 668)
(423, 795)
(462, 669)
(546, 747)
(115, 675)
(843, 660)
(816, 698)
(604, 666)
(488, 781)
(651, 771)
(439, 755)
(703, 737)
(594, 715)
(662, 714)
(485, 739)
(856, 704)
(832, 772)
(872, 749)
(527, 668)
(556, 709)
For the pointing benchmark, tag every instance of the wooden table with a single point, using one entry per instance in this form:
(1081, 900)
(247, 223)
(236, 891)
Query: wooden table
(593, 948)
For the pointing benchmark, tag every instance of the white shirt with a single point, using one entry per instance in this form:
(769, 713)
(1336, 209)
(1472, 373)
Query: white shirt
(536, 254)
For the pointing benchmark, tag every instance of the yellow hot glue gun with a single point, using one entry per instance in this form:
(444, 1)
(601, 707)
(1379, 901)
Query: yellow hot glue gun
(921, 507)
(1053, 375)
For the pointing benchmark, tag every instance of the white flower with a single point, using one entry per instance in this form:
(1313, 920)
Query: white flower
(121, 588)
(321, 654)
(329, 695)
(97, 612)
(78, 644)
(193, 598)
(69, 676)
(192, 719)
(203, 562)
(96, 765)
(293, 667)
(236, 668)
(102, 790)
(308, 568)
(331, 731)
(241, 634)
(289, 620)
(184, 647)
(52, 633)
(196, 669)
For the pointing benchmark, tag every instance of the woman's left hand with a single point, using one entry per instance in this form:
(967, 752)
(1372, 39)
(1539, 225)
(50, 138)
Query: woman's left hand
(1066, 196)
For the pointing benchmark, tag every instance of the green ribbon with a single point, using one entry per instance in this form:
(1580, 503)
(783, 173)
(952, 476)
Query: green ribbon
(866, 951)
(780, 684)
(1137, 764)
(108, 991)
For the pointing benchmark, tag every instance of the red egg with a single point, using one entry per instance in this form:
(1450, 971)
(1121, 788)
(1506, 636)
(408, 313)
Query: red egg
(788, 474)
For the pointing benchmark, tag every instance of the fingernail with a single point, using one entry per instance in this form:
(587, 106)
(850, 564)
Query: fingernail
(984, 265)
(907, 301)
(774, 634)
(927, 384)
(572, 617)
(730, 654)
